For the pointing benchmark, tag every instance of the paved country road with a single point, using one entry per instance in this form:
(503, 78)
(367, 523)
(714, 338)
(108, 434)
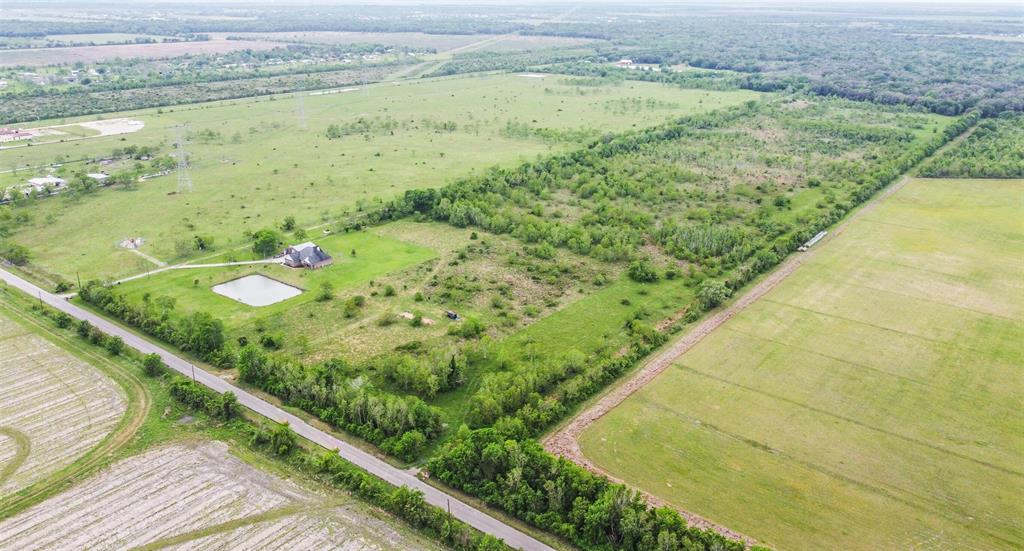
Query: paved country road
(393, 475)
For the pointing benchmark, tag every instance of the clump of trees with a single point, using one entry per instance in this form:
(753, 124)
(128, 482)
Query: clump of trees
(424, 375)
(400, 425)
(994, 150)
(223, 406)
(519, 477)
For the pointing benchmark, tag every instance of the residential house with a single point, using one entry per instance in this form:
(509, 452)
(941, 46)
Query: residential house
(306, 255)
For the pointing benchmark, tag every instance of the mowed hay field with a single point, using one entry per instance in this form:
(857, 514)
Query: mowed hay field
(265, 161)
(53, 408)
(871, 401)
(199, 496)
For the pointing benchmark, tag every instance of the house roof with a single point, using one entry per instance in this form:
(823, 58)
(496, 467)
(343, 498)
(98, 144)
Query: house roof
(306, 254)
(43, 180)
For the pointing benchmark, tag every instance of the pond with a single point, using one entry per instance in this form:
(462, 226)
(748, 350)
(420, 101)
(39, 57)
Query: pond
(256, 290)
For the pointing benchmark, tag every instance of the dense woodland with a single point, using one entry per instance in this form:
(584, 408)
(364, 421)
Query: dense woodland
(83, 101)
(892, 55)
(994, 150)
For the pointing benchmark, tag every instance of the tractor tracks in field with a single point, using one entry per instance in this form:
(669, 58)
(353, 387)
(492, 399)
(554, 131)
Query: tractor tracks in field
(139, 404)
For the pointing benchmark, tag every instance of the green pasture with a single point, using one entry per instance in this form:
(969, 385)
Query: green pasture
(265, 163)
(871, 401)
(191, 288)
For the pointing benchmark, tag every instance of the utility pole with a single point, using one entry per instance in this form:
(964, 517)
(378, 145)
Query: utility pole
(79, 276)
(184, 177)
(193, 373)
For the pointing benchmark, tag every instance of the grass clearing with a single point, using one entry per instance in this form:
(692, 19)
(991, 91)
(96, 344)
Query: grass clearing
(275, 168)
(870, 401)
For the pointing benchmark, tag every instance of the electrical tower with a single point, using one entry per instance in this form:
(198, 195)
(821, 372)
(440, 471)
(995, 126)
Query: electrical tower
(300, 111)
(184, 176)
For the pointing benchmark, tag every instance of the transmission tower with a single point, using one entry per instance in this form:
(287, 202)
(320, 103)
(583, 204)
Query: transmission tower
(184, 176)
(300, 111)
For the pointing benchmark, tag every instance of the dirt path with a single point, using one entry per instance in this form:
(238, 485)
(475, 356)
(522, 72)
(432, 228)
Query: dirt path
(166, 268)
(156, 261)
(139, 403)
(565, 441)
(22, 447)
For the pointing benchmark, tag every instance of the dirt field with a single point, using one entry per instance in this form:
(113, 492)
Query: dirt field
(198, 496)
(53, 408)
(439, 42)
(870, 400)
(90, 54)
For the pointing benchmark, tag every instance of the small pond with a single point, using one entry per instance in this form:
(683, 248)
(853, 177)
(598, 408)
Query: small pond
(256, 290)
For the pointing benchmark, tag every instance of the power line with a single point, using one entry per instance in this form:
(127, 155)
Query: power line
(184, 175)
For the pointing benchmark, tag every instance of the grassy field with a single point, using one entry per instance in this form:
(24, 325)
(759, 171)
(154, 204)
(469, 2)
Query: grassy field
(375, 256)
(261, 165)
(871, 401)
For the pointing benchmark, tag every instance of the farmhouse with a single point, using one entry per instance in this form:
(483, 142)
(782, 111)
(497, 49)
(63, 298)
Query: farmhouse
(100, 177)
(11, 134)
(42, 183)
(306, 255)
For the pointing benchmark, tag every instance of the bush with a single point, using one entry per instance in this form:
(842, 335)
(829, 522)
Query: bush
(63, 320)
(712, 292)
(153, 365)
(272, 341)
(279, 438)
(470, 328)
(114, 345)
(642, 271)
(326, 292)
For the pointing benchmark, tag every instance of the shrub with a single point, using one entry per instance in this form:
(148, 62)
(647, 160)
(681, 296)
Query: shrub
(470, 328)
(642, 271)
(712, 292)
(114, 345)
(326, 291)
(152, 365)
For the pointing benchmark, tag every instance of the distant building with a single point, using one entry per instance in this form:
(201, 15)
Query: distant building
(624, 62)
(100, 177)
(39, 185)
(306, 255)
(12, 134)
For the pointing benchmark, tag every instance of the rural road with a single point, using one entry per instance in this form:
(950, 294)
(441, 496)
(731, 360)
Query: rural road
(393, 475)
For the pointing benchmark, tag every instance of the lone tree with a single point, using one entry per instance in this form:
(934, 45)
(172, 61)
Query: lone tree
(712, 292)
(152, 365)
(266, 242)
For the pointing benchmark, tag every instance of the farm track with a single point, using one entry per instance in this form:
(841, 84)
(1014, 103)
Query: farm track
(565, 440)
(23, 445)
(139, 403)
